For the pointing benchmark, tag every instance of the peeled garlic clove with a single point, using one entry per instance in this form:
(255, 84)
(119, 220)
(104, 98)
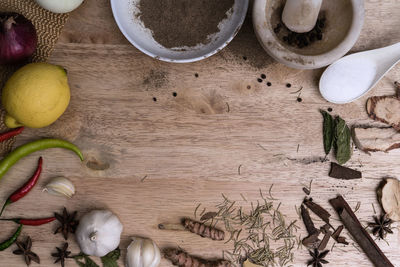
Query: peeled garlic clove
(142, 252)
(60, 186)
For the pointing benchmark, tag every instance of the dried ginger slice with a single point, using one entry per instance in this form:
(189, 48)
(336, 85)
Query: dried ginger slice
(389, 197)
(385, 109)
(372, 139)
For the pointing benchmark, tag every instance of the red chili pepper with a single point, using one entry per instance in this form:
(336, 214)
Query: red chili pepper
(32, 222)
(26, 188)
(10, 134)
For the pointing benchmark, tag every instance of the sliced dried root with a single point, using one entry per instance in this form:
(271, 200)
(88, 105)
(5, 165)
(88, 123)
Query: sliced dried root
(386, 109)
(372, 139)
(389, 197)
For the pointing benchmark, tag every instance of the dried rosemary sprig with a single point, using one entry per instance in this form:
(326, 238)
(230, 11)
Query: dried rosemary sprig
(260, 234)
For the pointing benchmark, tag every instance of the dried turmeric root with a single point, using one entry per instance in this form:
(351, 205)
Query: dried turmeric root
(180, 258)
(203, 230)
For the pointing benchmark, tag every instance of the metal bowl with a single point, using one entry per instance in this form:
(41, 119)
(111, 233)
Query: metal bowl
(124, 14)
(345, 19)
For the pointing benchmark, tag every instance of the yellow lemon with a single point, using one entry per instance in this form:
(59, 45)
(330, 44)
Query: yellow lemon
(36, 95)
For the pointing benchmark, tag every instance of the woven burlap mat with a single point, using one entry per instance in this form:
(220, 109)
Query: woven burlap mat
(48, 27)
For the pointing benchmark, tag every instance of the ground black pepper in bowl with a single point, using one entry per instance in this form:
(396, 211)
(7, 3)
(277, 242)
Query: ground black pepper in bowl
(183, 23)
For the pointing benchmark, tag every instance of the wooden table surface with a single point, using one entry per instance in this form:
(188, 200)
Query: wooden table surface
(190, 147)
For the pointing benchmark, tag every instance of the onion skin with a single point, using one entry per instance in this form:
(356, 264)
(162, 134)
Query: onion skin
(18, 38)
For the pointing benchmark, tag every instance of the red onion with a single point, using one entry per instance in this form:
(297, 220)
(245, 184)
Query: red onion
(18, 39)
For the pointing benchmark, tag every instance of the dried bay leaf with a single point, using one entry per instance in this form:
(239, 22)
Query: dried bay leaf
(327, 130)
(342, 138)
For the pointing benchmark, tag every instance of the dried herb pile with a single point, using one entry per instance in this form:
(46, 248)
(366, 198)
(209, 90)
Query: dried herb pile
(261, 235)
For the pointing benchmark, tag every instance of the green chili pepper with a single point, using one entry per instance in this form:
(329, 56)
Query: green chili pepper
(6, 244)
(24, 150)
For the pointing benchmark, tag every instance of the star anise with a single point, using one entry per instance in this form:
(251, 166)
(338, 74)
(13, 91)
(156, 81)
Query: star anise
(61, 254)
(24, 248)
(317, 258)
(68, 223)
(381, 226)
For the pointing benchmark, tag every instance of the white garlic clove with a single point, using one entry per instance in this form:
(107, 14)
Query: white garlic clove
(60, 186)
(142, 252)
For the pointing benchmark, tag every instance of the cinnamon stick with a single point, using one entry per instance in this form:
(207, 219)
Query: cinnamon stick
(313, 233)
(340, 172)
(336, 235)
(359, 234)
(318, 210)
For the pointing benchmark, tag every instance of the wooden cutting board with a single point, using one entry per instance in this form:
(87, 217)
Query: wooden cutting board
(153, 157)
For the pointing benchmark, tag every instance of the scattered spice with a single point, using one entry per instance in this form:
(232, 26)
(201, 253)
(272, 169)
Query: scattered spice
(317, 209)
(336, 134)
(381, 226)
(26, 188)
(204, 230)
(174, 94)
(196, 75)
(68, 223)
(358, 232)
(312, 239)
(318, 258)
(306, 191)
(197, 20)
(373, 139)
(269, 83)
(31, 222)
(288, 85)
(299, 99)
(24, 248)
(144, 178)
(209, 215)
(260, 235)
(61, 254)
(154, 99)
(330, 109)
(385, 108)
(7, 243)
(178, 257)
(328, 128)
(336, 236)
(342, 138)
(388, 195)
(340, 172)
(301, 40)
(325, 240)
(263, 76)
(259, 80)
(10, 134)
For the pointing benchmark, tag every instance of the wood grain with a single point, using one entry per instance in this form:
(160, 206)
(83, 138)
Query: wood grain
(189, 147)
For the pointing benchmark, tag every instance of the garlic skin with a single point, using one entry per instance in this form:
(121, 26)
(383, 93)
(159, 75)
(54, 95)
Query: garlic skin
(98, 233)
(142, 252)
(59, 6)
(60, 186)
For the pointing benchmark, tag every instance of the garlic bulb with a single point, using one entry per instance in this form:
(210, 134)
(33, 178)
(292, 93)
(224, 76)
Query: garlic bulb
(60, 186)
(142, 252)
(98, 233)
(59, 6)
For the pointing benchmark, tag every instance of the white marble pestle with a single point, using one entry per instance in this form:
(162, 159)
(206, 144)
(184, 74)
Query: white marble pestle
(301, 15)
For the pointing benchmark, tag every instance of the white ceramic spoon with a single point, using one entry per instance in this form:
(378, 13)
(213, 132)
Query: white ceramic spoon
(352, 76)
